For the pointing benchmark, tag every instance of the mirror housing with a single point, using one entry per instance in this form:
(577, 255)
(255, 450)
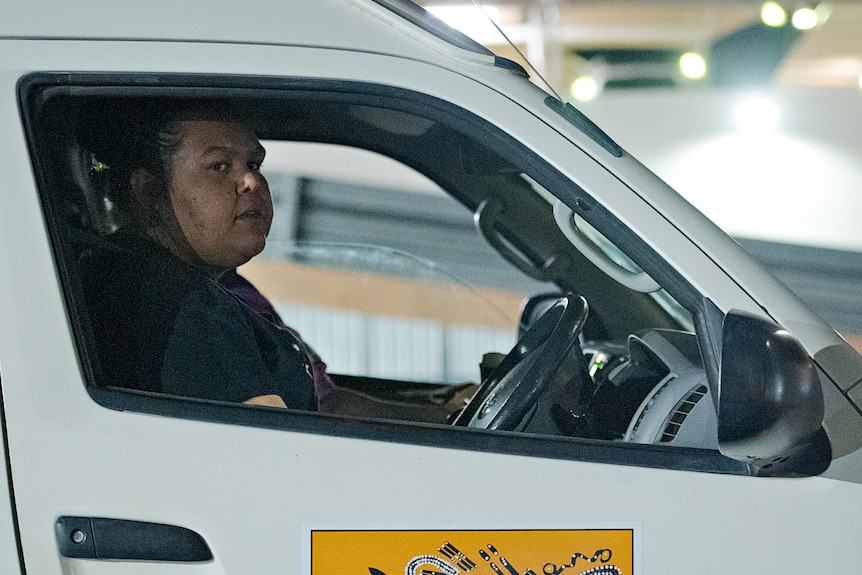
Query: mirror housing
(769, 402)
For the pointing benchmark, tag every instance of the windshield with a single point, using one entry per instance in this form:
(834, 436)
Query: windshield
(614, 254)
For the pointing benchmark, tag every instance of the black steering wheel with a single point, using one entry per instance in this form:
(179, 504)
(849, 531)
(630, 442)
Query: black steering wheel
(509, 392)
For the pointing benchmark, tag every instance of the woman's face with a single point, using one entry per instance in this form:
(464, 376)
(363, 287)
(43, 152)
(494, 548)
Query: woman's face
(220, 209)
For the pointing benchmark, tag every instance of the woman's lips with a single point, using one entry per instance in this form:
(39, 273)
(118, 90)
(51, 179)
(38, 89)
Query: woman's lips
(253, 213)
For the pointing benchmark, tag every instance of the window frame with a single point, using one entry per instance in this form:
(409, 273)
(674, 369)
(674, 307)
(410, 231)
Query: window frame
(36, 89)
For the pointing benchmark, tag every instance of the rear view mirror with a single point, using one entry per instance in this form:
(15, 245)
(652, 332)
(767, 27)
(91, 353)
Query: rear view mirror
(770, 403)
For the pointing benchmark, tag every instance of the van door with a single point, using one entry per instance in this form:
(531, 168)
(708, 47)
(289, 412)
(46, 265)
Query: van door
(111, 480)
(8, 543)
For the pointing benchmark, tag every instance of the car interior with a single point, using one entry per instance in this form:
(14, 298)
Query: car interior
(596, 360)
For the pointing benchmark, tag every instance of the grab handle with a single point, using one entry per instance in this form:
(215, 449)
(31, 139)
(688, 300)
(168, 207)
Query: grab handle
(638, 281)
(486, 217)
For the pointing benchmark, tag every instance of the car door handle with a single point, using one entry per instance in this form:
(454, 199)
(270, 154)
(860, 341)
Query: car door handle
(121, 539)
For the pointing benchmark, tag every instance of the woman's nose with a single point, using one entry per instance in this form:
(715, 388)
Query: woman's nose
(251, 180)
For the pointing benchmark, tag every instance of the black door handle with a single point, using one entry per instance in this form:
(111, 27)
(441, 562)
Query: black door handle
(103, 538)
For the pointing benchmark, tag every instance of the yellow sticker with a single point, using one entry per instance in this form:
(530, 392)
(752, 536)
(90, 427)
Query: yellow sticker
(473, 552)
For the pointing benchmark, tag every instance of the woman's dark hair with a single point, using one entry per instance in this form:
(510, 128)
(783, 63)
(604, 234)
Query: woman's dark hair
(135, 133)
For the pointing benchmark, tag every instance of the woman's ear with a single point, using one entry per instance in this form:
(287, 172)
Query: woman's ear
(148, 195)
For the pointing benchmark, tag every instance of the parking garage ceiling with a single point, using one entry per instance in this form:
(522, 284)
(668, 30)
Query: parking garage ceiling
(631, 43)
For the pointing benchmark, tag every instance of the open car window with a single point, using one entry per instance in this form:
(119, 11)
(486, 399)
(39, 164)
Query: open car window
(413, 244)
(365, 263)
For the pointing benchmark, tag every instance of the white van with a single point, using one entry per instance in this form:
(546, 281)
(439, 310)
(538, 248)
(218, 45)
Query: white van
(669, 407)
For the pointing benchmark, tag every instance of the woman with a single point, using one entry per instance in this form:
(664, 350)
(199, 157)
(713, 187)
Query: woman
(198, 207)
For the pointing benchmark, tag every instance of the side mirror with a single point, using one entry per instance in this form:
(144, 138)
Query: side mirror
(769, 401)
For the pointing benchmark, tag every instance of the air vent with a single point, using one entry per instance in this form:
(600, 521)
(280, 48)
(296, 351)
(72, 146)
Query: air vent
(681, 412)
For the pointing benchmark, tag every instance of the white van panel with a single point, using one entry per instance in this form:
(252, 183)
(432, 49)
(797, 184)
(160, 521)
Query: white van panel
(252, 493)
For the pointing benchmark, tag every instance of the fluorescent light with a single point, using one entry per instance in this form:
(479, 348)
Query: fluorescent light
(823, 11)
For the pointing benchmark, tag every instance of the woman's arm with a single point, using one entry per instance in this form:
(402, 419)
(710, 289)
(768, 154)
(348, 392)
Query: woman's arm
(270, 400)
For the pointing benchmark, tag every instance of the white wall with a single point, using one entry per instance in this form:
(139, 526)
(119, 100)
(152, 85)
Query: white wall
(800, 183)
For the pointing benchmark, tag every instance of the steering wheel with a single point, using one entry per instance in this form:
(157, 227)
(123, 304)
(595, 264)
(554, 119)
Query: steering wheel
(508, 393)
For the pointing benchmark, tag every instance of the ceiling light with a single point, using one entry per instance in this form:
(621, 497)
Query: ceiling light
(585, 88)
(772, 14)
(756, 115)
(470, 19)
(823, 11)
(692, 65)
(804, 19)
